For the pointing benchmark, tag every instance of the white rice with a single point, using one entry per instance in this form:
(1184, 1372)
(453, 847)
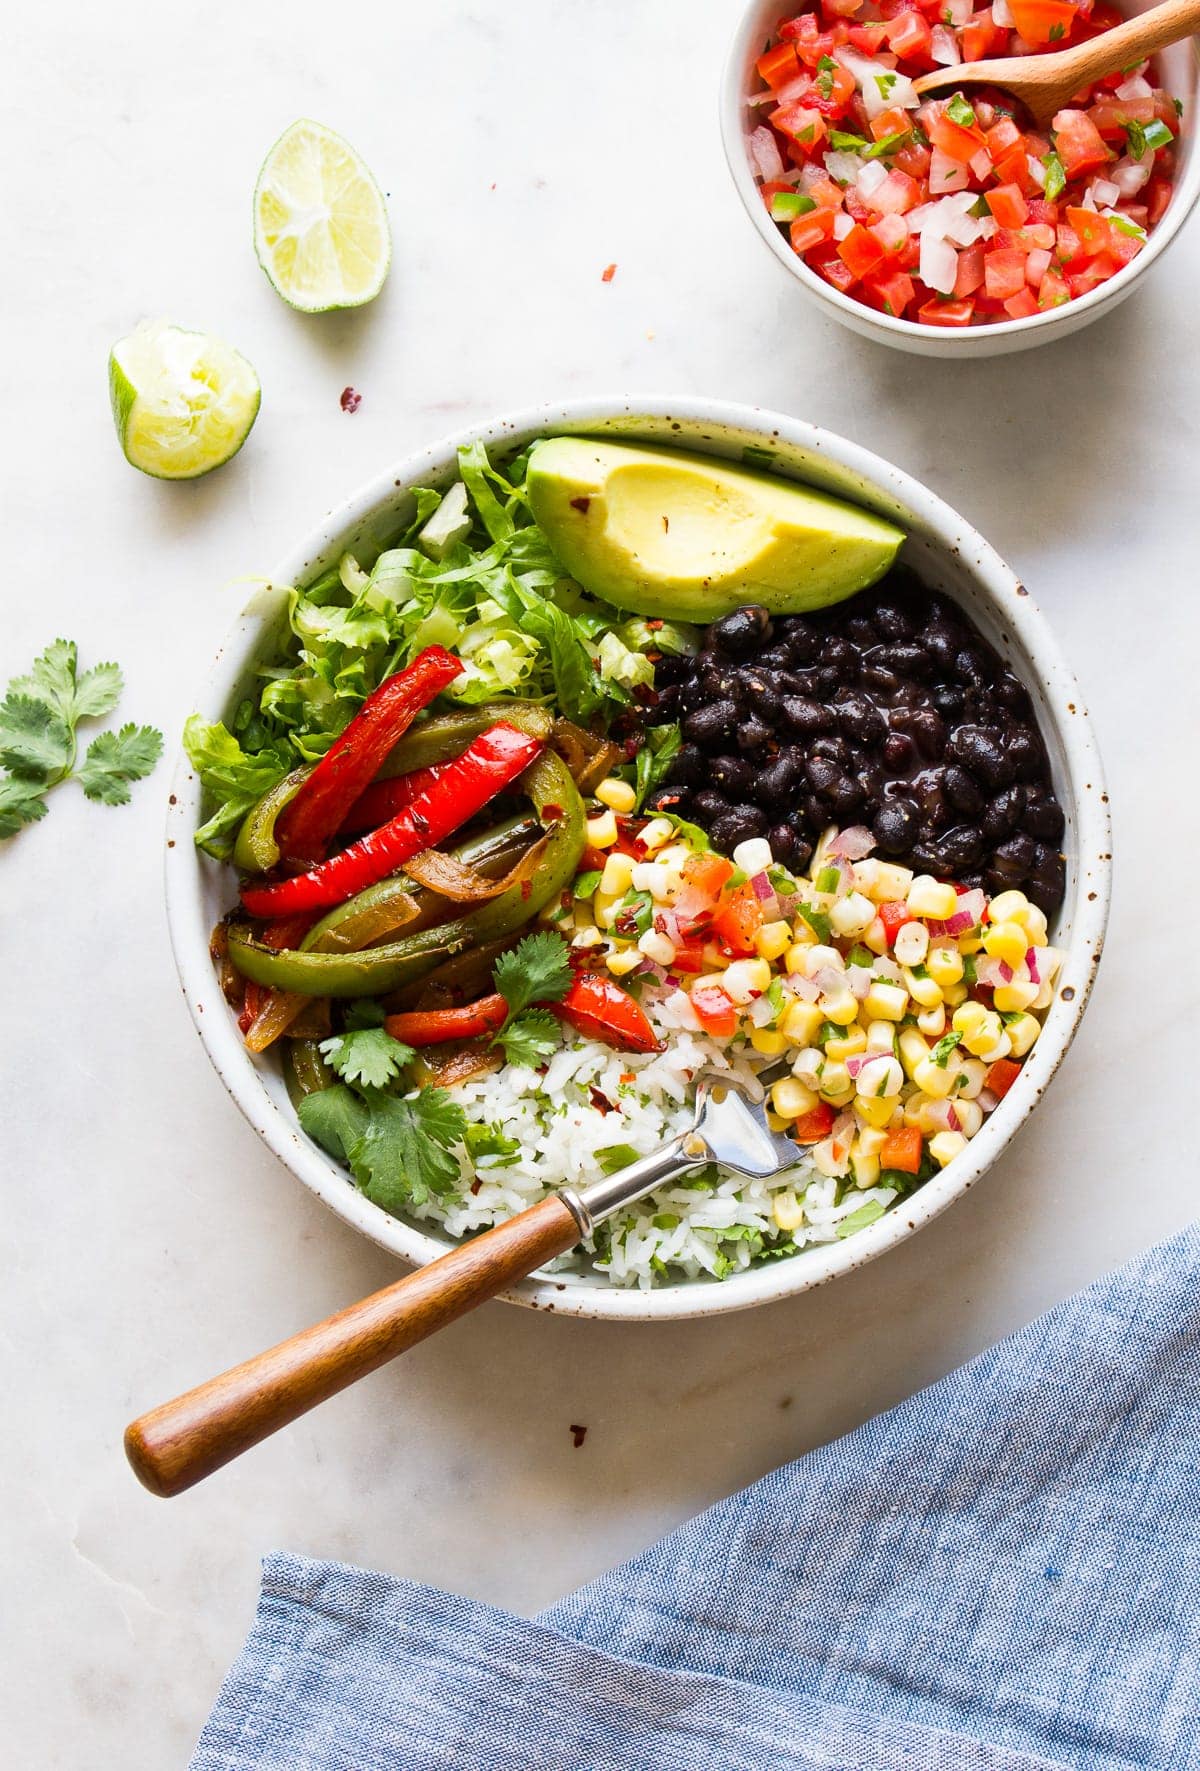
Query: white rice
(723, 1222)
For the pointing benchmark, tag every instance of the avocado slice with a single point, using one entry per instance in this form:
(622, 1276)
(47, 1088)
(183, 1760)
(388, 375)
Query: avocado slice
(690, 537)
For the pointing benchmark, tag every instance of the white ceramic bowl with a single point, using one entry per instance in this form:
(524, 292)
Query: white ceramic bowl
(1181, 70)
(948, 554)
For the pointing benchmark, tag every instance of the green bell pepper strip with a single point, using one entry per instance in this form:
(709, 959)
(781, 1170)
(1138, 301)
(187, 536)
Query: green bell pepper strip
(499, 845)
(256, 850)
(446, 735)
(377, 970)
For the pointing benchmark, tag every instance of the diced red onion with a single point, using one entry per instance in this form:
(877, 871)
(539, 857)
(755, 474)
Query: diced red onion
(1036, 266)
(991, 971)
(855, 1064)
(891, 231)
(986, 1101)
(764, 154)
(1006, 972)
(667, 923)
(855, 843)
(860, 978)
(762, 887)
(829, 980)
(981, 165)
(843, 224)
(805, 988)
(952, 1119)
(1037, 171)
(1035, 976)
(1135, 87)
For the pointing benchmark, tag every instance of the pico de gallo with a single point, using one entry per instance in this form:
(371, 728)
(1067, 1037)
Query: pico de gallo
(952, 212)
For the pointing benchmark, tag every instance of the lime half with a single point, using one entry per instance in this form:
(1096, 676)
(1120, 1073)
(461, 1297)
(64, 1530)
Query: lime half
(182, 402)
(320, 226)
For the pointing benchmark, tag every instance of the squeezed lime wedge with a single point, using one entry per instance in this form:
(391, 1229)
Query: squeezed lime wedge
(320, 226)
(182, 401)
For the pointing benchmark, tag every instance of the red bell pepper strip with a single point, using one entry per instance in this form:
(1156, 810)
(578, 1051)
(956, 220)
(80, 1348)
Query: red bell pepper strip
(383, 799)
(463, 788)
(306, 824)
(600, 1009)
(436, 1026)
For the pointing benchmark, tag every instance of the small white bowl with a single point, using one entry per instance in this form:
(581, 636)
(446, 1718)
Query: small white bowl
(1181, 71)
(948, 554)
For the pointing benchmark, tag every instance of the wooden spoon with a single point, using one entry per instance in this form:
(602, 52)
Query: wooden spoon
(1045, 83)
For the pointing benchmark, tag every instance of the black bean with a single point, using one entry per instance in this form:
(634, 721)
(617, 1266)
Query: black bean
(668, 799)
(709, 804)
(891, 620)
(804, 716)
(845, 795)
(949, 699)
(830, 679)
(742, 631)
(926, 857)
(860, 719)
(1043, 816)
(929, 730)
(898, 751)
(1011, 693)
(1017, 853)
(1047, 880)
(753, 733)
(962, 791)
(830, 745)
(708, 725)
(775, 785)
(822, 773)
(982, 752)
(816, 812)
(799, 638)
(731, 775)
(895, 826)
(904, 659)
(860, 629)
(1003, 814)
(960, 847)
(837, 650)
(783, 841)
(941, 649)
(690, 767)
(970, 666)
(880, 678)
(1026, 753)
(737, 826)
(802, 853)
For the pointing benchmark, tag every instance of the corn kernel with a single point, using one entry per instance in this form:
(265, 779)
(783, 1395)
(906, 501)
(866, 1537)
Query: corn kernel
(657, 947)
(924, 992)
(980, 1039)
(656, 834)
(604, 907)
(852, 914)
(1022, 1034)
(1006, 941)
(753, 856)
(823, 959)
(866, 1170)
(885, 1002)
(848, 1045)
(773, 939)
(714, 957)
(623, 960)
(875, 937)
(790, 1098)
(804, 939)
(912, 943)
(808, 1065)
(1009, 907)
(618, 875)
(914, 1111)
(866, 873)
(1002, 1048)
(774, 1122)
(932, 1021)
(834, 1082)
(825, 1162)
(944, 964)
(931, 1079)
(676, 854)
(890, 884)
(973, 1074)
(1012, 998)
(769, 1041)
(793, 960)
(840, 1007)
(868, 1141)
(801, 1023)
(969, 1115)
(931, 897)
(944, 1146)
(954, 994)
(747, 978)
(880, 1076)
(881, 1037)
(602, 830)
(617, 794)
(787, 1210)
(969, 1018)
(970, 943)
(1035, 925)
(876, 1111)
(587, 936)
(912, 1048)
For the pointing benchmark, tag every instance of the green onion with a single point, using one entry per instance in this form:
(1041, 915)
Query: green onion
(828, 879)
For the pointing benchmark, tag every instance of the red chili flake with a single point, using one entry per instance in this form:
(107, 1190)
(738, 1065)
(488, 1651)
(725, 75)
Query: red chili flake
(609, 273)
(600, 1102)
(654, 657)
(632, 746)
(476, 1184)
(526, 888)
(578, 1435)
(551, 812)
(351, 399)
(644, 695)
(581, 504)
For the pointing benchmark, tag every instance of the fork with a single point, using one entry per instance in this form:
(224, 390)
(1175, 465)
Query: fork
(180, 1442)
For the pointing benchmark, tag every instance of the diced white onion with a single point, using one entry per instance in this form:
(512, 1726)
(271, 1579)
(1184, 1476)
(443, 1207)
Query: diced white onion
(939, 264)
(958, 12)
(764, 154)
(1135, 87)
(891, 231)
(896, 89)
(842, 224)
(842, 166)
(944, 48)
(1130, 176)
(1089, 202)
(1002, 15)
(946, 174)
(1105, 192)
(873, 175)
(1037, 171)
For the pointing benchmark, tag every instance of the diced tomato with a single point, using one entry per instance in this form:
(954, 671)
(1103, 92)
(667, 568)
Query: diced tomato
(1158, 195)
(689, 960)
(913, 159)
(896, 195)
(1007, 205)
(893, 916)
(1002, 136)
(1044, 21)
(802, 123)
(894, 292)
(981, 37)
(1003, 274)
(1021, 305)
(868, 38)
(901, 1149)
(860, 251)
(1000, 1078)
(940, 312)
(1042, 212)
(809, 230)
(1079, 144)
(827, 263)
(909, 35)
(738, 920)
(969, 276)
(779, 66)
(1111, 116)
(892, 122)
(714, 1010)
(814, 1125)
(1096, 271)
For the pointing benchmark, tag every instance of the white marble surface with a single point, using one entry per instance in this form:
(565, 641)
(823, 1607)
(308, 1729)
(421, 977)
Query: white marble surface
(148, 1237)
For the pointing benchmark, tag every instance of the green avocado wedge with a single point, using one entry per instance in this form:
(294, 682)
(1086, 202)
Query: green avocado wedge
(690, 537)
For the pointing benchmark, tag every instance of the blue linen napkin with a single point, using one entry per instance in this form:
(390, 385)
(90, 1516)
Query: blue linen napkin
(1002, 1573)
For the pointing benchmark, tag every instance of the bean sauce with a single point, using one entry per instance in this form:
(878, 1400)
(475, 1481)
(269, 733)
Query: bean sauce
(889, 710)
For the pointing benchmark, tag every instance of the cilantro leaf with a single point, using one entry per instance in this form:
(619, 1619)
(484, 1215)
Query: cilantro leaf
(817, 921)
(842, 140)
(536, 970)
(587, 884)
(362, 1012)
(335, 1118)
(490, 1140)
(367, 1056)
(35, 741)
(52, 678)
(98, 691)
(21, 803)
(406, 1151)
(1056, 176)
(941, 1051)
(656, 755)
(116, 758)
(614, 1157)
(529, 1038)
(887, 145)
(960, 112)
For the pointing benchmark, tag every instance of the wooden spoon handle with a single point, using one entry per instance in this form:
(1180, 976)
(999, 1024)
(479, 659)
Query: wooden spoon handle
(183, 1441)
(1134, 39)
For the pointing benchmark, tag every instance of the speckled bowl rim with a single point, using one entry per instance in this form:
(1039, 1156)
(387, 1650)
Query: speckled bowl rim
(760, 17)
(189, 876)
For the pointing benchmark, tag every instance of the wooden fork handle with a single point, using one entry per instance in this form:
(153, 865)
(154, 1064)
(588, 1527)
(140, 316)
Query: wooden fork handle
(181, 1442)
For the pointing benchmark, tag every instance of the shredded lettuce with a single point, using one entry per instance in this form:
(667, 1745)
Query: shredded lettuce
(497, 596)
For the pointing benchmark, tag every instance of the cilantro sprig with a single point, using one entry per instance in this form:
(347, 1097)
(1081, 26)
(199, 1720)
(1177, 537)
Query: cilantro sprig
(537, 970)
(39, 719)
